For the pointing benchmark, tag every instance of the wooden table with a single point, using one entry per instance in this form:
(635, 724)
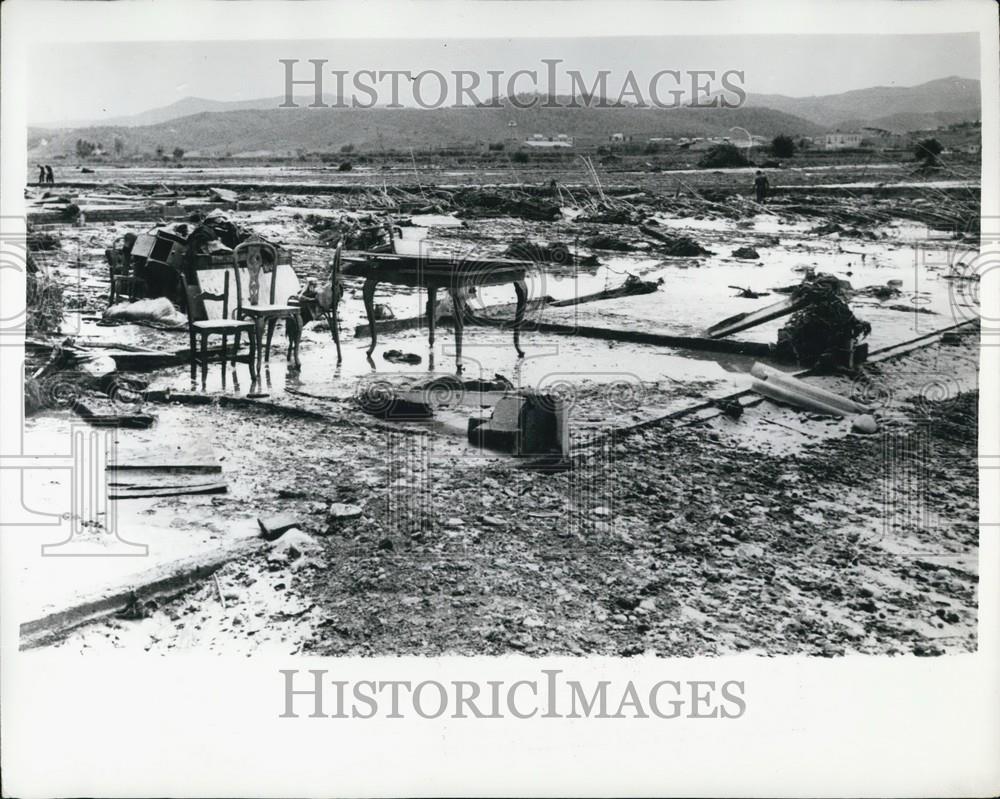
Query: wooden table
(454, 274)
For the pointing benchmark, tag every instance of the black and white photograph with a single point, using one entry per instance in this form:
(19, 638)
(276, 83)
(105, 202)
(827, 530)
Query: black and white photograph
(555, 333)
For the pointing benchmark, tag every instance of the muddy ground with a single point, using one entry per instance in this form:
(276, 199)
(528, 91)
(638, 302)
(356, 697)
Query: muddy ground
(675, 539)
(780, 532)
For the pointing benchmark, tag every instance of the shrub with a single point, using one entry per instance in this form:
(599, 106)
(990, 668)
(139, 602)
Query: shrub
(44, 303)
(520, 157)
(928, 150)
(782, 146)
(723, 155)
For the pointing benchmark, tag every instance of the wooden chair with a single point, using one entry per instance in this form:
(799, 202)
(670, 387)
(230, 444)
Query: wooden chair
(328, 298)
(225, 326)
(122, 277)
(250, 255)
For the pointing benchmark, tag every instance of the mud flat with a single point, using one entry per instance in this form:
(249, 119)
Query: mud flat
(675, 532)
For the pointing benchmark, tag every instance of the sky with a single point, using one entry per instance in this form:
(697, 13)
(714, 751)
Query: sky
(92, 81)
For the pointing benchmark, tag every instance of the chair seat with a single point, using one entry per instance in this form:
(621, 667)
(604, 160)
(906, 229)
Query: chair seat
(268, 310)
(210, 325)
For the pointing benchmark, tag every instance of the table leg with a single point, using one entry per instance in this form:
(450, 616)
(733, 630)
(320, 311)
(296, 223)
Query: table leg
(521, 290)
(431, 313)
(458, 306)
(368, 294)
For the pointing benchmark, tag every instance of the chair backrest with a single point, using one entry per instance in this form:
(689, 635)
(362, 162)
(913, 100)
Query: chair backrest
(257, 257)
(115, 255)
(327, 294)
(194, 299)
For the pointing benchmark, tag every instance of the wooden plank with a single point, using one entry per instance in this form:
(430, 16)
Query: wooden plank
(195, 455)
(657, 339)
(743, 321)
(102, 412)
(161, 582)
(137, 492)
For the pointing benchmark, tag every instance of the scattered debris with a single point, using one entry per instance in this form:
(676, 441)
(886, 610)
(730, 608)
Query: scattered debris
(748, 293)
(158, 312)
(823, 328)
(675, 246)
(552, 252)
(273, 526)
(779, 386)
(526, 423)
(398, 356)
(632, 286)
(745, 252)
(102, 411)
(864, 423)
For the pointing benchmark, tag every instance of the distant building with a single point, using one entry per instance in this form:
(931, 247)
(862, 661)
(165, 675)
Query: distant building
(538, 140)
(882, 139)
(616, 137)
(842, 141)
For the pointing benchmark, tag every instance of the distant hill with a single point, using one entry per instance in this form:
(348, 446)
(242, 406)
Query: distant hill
(282, 131)
(863, 106)
(905, 122)
(212, 127)
(182, 108)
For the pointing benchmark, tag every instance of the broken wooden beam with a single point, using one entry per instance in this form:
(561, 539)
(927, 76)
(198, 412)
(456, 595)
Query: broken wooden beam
(161, 582)
(744, 321)
(146, 492)
(754, 348)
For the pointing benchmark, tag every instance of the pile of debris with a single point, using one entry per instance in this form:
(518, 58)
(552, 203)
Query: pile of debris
(550, 252)
(153, 260)
(473, 203)
(356, 231)
(823, 328)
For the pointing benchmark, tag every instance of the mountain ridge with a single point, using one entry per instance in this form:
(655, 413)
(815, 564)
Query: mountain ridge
(253, 126)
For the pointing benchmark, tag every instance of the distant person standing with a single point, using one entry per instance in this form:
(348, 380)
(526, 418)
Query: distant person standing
(760, 186)
(50, 178)
(41, 175)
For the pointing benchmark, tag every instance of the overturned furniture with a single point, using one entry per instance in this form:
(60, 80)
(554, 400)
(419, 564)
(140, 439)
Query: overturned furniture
(524, 423)
(149, 264)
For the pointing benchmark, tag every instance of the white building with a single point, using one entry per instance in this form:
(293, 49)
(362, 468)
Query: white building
(842, 141)
(538, 140)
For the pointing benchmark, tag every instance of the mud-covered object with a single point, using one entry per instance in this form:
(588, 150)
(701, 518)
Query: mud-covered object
(158, 312)
(824, 326)
(555, 252)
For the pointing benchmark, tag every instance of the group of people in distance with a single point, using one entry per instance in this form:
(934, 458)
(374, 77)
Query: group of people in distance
(45, 176)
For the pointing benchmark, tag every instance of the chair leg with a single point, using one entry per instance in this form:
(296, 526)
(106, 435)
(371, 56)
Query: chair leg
(271, 324)
(332, 321)
(259, 325)
(236, 347)
(204, 359)
(254, 336)
(194, 353)
(225, 347)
